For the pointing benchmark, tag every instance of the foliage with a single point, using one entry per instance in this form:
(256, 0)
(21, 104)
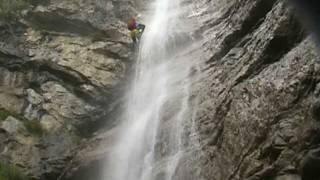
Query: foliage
(10, 9)
(4, 114)
(34, 127)
(8, 172)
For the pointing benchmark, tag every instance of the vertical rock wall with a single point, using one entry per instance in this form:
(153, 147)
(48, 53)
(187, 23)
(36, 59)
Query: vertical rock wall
(255, 90)
(63, 69)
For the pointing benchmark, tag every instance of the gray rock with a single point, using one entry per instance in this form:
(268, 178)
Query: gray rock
(33, 97)
(50, 124)
(62, 104)
(64, 67)
(13, 125)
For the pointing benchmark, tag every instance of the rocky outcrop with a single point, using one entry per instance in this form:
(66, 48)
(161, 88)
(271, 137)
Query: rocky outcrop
(63, 69)
(256, 86)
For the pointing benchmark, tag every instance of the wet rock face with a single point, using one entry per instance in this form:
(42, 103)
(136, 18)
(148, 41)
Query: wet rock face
(63, 69)
(255, 91)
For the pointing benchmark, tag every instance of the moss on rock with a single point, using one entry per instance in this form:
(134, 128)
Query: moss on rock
(9, 9)
(4, 114)
(34, 127)
(9, 172)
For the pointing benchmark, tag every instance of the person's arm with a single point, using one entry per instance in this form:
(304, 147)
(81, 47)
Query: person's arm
(142, 27)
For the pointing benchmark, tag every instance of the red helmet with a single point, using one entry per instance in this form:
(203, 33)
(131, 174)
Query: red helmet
(131, 23)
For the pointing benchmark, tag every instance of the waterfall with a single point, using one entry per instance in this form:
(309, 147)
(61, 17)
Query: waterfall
(150, 140)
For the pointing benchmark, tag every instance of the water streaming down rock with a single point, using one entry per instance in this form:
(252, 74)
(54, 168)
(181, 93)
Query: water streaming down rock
(150, 138)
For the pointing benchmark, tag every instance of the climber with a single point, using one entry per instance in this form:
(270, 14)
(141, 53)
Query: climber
(136, 30)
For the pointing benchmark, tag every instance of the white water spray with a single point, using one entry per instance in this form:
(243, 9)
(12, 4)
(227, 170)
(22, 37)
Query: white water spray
(160, 77)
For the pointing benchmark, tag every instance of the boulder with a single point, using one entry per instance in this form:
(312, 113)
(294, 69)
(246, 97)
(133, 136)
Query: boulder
(13, 125)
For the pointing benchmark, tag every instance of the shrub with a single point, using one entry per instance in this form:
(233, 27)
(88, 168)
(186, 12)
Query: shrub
(4, 114)
(34, 127)
(8, 172)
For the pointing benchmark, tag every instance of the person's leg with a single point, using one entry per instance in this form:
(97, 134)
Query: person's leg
(133, 36)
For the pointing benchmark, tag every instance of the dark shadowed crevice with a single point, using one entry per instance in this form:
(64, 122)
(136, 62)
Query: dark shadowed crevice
(310, 165)
(6, 56)
(67, 76)
(277, 48)
(57, 23)
(281, 44)
(254, 20)
(271, 153)
(110, 54)
(94, 170)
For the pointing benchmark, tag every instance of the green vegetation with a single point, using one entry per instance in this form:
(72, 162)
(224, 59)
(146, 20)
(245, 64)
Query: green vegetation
(10, 9)
(8, 172)
(4, 114)
(34, 127)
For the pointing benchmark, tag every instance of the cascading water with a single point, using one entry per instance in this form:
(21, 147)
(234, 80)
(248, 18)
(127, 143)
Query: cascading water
(150, 140)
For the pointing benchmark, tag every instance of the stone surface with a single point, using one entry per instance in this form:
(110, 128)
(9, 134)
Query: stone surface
(254, 91)
(12, 125)
(50, 124)
(33, 97)
(63, 67)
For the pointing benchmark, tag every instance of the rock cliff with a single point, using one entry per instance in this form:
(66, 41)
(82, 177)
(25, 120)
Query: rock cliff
(255, 88)
(257, 84)
(63, 67)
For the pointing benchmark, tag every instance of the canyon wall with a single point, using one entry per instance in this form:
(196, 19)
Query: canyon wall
(254, 87)
(63, 67)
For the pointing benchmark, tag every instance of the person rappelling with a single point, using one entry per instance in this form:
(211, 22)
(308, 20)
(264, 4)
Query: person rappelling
(136, 30)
